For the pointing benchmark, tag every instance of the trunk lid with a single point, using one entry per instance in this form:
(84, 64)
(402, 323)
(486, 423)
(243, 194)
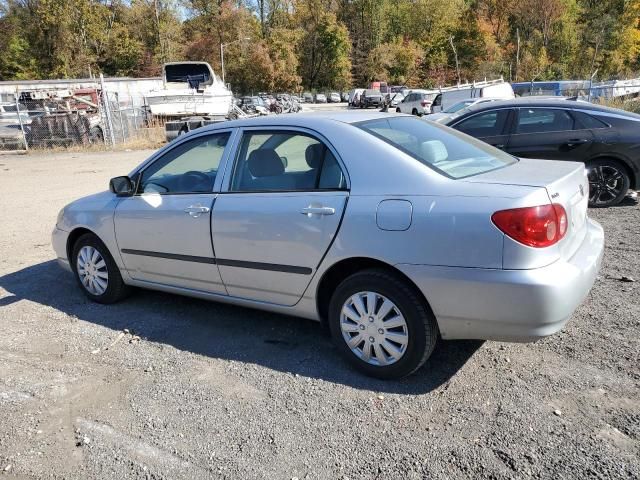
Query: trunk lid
(566, 183)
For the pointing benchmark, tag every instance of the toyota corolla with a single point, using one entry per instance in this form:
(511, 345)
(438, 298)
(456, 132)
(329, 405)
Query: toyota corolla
(392, 230)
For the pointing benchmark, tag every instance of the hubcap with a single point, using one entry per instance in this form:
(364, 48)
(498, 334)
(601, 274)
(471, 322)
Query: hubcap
(374, 329)
(92, 270)
(605, 184)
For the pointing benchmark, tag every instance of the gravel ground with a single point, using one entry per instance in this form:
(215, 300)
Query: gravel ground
(216, 391)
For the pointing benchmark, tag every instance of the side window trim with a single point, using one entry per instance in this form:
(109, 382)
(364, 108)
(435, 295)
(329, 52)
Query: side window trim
(233, 156)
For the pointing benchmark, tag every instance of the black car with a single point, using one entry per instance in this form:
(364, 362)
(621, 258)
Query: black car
(606, 139)
(371, 98)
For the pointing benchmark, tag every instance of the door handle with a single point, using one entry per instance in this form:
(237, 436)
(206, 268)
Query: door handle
(196, 210)
(500, 146)
(318, 211)
(577, 141)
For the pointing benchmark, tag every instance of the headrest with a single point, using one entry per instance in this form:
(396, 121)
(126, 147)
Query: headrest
(433, 151)
(313, 155)
(265, 162)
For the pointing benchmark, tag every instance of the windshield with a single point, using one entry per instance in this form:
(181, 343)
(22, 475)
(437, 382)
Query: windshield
(445, 150)
(458, 106)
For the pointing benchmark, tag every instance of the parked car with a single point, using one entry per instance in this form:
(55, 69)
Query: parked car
(320, 98)
(371, 98)
(254, 105)
(469, 102)
(344, 96)
(417, 102)
(10, 114)
(354, 97)
(395, 99)
(334, 97)
(307, 97)
(390, 270)
(604, 139)
(452, 95)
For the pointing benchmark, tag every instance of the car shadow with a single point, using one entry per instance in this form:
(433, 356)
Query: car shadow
(213, 329)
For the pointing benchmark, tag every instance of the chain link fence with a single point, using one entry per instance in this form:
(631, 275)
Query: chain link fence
(92, 117)
(82, 118)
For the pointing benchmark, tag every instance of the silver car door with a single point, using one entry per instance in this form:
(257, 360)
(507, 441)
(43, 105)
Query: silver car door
(278, 213)
(163, 231)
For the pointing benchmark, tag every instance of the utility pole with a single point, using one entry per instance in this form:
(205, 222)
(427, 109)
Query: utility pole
(222, 45)
(455, 54)
(517, 52)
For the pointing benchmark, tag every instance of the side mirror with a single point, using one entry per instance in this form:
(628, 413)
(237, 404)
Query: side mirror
(121, 186)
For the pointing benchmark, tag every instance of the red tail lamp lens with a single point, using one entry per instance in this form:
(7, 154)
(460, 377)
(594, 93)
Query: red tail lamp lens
(539, 227)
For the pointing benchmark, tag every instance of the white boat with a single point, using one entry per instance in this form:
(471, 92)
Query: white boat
(190, 88)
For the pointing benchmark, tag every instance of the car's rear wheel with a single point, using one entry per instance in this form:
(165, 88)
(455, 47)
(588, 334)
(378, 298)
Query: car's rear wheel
(414, 112)
(608, 182)
(398, 110)
(381, 324)
(96, 271)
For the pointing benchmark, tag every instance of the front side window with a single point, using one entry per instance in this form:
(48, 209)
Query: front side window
(440, 148)
(488, 124)
(540, 120)
(191, 167)
(285, 161)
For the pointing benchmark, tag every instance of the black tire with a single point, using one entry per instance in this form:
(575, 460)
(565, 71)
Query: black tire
(96, 135)
(116, 289)
(608, 182)
(421, 324)
(414, 112)
(398, 110)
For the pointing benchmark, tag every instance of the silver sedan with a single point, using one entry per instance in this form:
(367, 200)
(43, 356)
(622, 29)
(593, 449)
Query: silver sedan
(393, 230)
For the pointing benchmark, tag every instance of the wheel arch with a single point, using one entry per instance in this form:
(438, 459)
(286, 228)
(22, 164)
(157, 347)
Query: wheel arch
(634, 178)
(73, 237)
(342, 269)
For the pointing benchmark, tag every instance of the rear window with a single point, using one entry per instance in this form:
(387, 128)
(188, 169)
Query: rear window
(446, 151)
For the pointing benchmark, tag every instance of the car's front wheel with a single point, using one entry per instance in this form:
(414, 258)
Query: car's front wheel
(381, 324)
(608, 182)
(96, 271)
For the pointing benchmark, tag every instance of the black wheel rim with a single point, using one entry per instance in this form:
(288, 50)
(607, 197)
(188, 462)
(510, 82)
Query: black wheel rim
(605, 184)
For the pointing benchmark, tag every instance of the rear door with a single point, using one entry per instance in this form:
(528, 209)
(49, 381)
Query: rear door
(549, 133)
(490, 126)
(278, 213)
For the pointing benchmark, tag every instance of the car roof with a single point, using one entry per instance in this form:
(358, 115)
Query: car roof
(535, 102)
(302, 119)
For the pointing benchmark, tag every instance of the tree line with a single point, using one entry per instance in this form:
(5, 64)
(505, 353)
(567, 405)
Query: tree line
(289, 45)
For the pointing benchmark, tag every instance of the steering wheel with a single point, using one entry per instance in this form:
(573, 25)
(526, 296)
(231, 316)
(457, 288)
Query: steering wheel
(194, 181)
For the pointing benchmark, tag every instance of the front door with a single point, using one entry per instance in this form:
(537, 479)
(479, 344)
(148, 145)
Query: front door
(163, 231)
(278, 214)
(550, 134)
(490, 126)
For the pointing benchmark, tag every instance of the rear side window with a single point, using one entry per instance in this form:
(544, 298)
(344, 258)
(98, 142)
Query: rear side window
(285, 161)
(487, 124)
(438, 147)
(585, 120)
(540, 120)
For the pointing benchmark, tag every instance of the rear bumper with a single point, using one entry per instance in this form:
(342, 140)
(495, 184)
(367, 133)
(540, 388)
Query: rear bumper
(59, 244)
(510, 305)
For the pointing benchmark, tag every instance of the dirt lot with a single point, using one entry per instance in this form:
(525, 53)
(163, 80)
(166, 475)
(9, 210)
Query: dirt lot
(215, 391)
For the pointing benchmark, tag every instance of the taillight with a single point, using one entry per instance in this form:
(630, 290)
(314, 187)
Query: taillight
(540, 226)
(425, 103)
